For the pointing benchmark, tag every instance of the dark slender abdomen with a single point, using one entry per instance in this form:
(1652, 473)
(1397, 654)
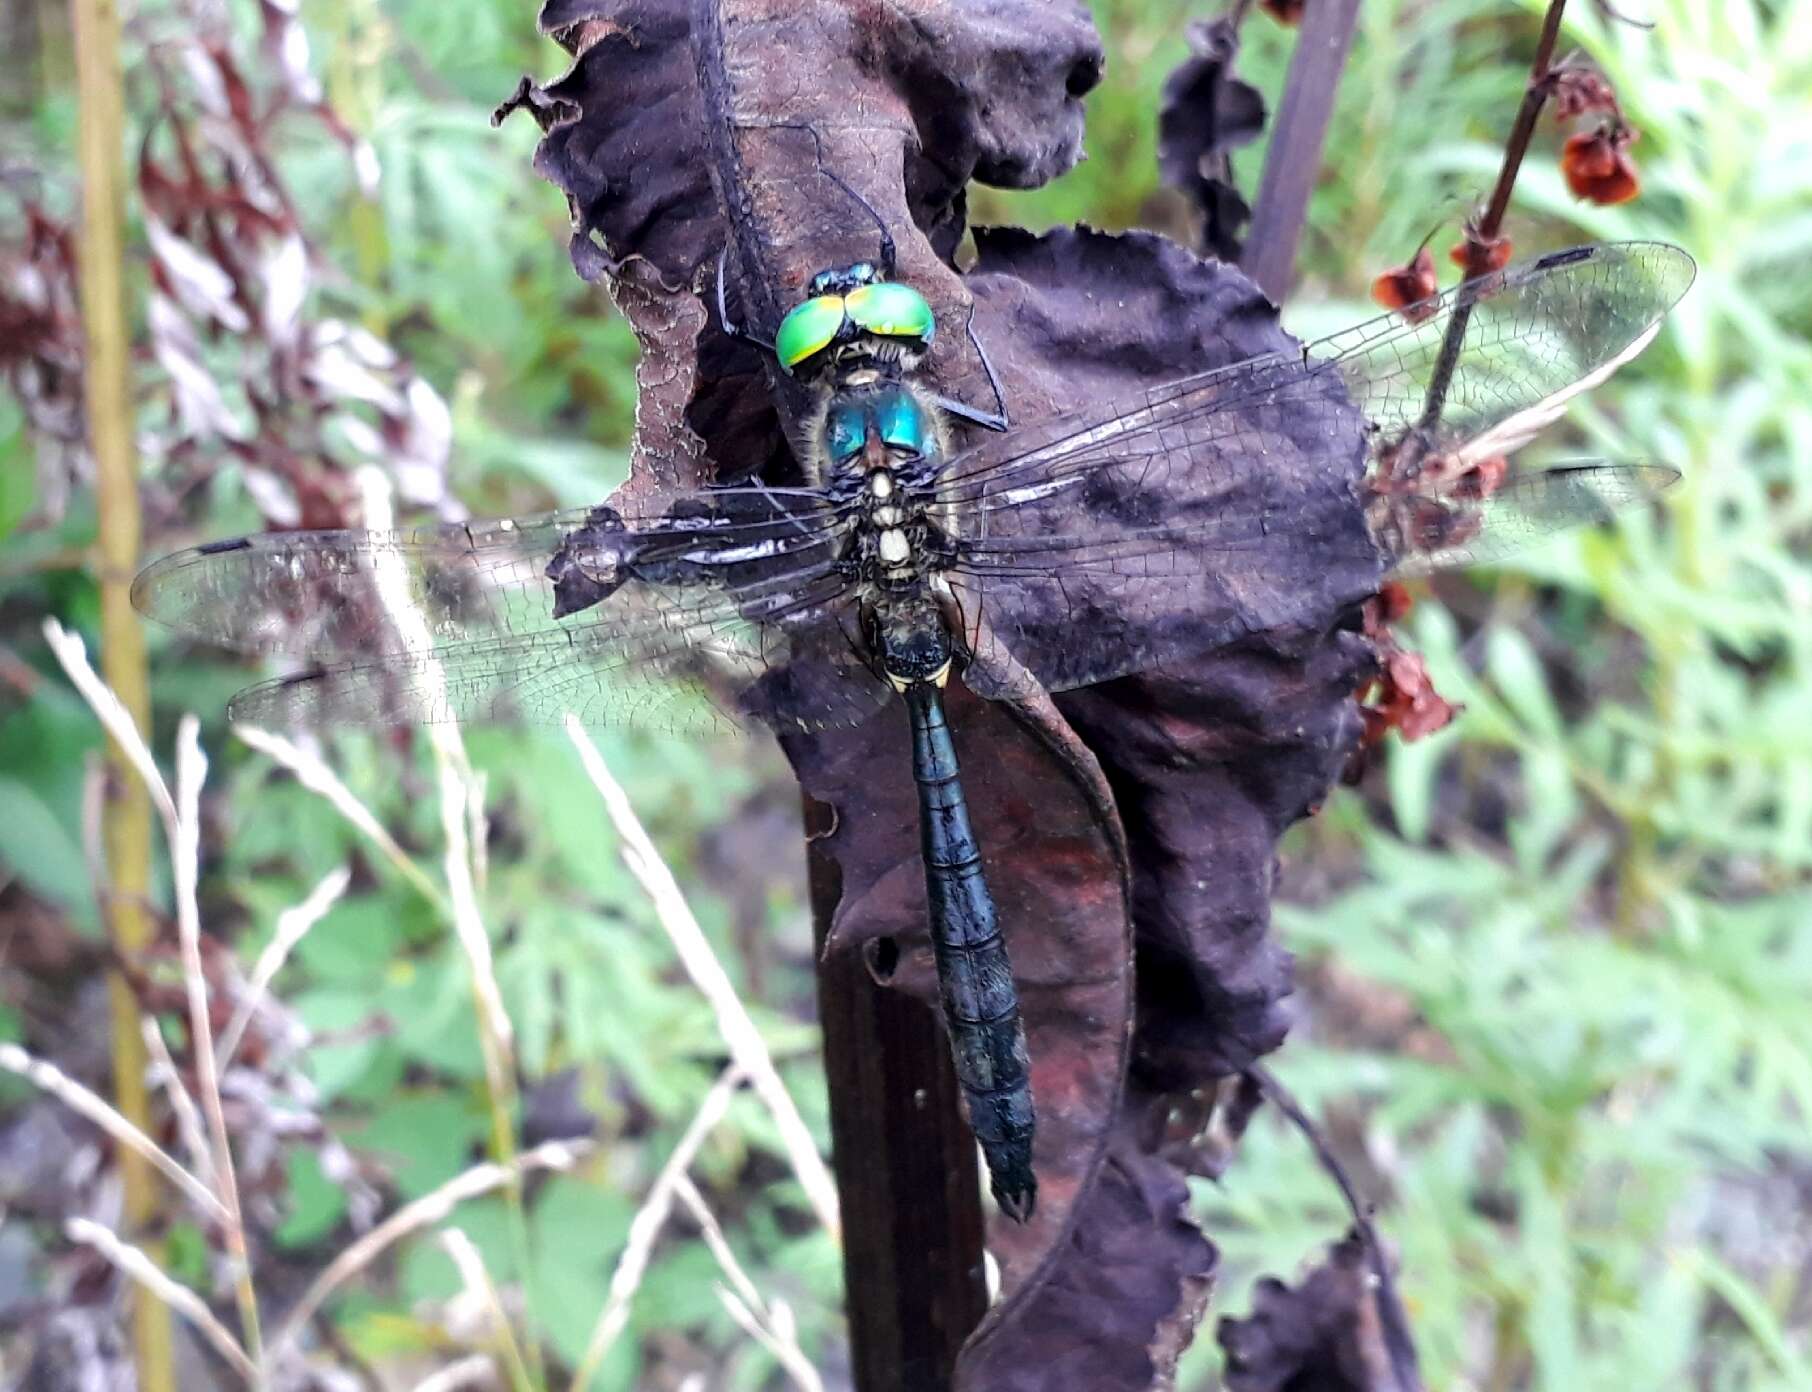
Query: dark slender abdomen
(987, 1040)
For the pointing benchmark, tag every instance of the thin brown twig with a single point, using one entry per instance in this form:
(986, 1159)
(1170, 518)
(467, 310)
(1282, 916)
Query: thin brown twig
(1480, 239)
(1397, 1340)
(1535, 96)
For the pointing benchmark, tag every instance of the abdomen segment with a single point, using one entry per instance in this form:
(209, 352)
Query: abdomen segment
(981, 1007)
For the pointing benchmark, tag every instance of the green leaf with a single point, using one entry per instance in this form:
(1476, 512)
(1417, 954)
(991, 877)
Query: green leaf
(315, 1203)
(43, 853)
(423, 1138)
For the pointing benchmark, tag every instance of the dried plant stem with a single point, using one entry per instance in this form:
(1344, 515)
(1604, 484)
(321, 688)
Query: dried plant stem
(771, 1325)
(167, 1293)
(181, 817)
(115, 1123)
(461, 803)
(695, 952)
(646, 1226)
(429, 1209)
(127, 820)
(293, 925)
(185, 862)
(468, 1261)
(314, 775)
(1479, 246)
(164, 1073)
(779, 1340)
(1535, 96)
(496, 1040)
(475, 1371)
(1293, 161)
(1400, 1347)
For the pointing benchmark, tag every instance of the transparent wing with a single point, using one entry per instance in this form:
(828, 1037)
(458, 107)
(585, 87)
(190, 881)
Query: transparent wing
(1500, 358)
(1170, 521)
(1427, 532)
(1089, 609)
(653, 657)
(316, 595)
(725, 610)
(1480, 368)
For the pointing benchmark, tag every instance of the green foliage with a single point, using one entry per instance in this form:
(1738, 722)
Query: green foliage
(1591, 892)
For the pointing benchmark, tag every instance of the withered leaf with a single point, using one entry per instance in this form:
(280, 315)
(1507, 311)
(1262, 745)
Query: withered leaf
(1206, 114)
(1339, 1330)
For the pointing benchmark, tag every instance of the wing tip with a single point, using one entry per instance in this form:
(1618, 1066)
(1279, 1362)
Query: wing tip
(1673, 269)
(267, 703)
(147, 585)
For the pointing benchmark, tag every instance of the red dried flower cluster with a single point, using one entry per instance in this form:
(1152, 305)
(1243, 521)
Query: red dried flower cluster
(1405, 287)
(1493, 252)
(1597, 164)
(1579, 91)
(1401, 696)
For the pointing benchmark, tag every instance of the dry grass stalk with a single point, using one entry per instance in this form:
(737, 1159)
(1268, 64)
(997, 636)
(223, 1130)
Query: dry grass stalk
(777, 1332)
(431, 1208)
(495, 1031)
(73, 658)
(185, 864)
(163, 1073)
(180, 1298)
(482, 1291)
(646, 1226)
(80, 1100)
(476, 1371)
(462, 823)
(293, 924)
(312, 773)
(716, 1243)
(780, 1338)
(181, 817)
(747, 1046)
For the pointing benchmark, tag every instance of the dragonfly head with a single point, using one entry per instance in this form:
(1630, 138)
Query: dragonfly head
(840, 280)
(852, 316)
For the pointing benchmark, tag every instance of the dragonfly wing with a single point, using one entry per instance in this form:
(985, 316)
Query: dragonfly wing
(654, 657)
(1430, 533)
(1076, 609)
(694, 616)
(1125, 536)
(1484, 368)
(1531, 339)
(334, 596)
(1183, 537)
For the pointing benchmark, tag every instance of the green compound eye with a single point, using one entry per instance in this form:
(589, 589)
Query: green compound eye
(808, 330)
(893, 310)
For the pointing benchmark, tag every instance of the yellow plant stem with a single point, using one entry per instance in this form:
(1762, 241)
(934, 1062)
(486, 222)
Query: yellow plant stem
(126, 826)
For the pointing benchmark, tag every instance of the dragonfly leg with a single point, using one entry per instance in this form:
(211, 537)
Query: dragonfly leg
(729, 325)
(987, 420)
(889, 256)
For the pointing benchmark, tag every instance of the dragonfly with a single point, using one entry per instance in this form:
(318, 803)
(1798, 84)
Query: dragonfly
(1052, 556)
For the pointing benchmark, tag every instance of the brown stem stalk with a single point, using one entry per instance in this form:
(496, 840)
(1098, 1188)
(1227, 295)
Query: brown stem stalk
(1293, 161)
(127, 817)
(1397, 1342)
(1481, 239)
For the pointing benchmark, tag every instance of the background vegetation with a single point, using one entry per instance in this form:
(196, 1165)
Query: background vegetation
(1555, 959)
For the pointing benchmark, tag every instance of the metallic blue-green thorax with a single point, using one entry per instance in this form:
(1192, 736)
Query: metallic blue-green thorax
(888, 410)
